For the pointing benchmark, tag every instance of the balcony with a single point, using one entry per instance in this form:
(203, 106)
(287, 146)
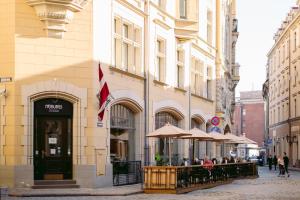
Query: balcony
(236, 72)
(56, 14)
(186, 28)
(235, 33)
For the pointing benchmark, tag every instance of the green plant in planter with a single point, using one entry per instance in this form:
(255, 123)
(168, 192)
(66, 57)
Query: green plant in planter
(158, 159)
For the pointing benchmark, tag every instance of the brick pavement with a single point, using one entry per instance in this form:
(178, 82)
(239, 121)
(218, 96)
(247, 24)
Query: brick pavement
(267, 187)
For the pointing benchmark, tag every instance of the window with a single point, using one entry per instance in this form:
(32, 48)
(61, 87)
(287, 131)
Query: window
(209, 83)
(295, 41)
(295, 102)
(279, 58)
(209, 27)
(161, 119)
(295, 76)
(283, 112)
(278, 117)
(160, 60)
(283, 53)
(283, 84)
(279, 87)
(127, 47)
(180, 69)
(287, 49)
(197, 77)
(162, 4)
(271, 118)
(183, 9)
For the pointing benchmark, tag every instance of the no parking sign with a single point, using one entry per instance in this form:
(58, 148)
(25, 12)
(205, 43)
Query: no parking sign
(215, 121)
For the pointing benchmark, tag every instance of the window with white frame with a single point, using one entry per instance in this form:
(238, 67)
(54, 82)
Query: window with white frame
(197, 77)
(209, 88)
(160, 60)
(127, 46)
(180, 69)
(183, 9)
(209, 27)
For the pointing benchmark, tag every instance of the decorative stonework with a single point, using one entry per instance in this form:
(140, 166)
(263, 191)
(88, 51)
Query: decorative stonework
(56, 14)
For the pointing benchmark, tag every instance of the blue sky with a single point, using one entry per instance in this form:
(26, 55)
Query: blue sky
(258, 21)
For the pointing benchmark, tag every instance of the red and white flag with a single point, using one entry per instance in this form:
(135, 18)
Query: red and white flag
(103, 95)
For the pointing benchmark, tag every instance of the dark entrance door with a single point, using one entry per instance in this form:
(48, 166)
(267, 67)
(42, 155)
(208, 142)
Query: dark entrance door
(52, 139)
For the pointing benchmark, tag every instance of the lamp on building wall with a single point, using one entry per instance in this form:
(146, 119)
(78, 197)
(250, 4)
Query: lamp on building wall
(291, 139)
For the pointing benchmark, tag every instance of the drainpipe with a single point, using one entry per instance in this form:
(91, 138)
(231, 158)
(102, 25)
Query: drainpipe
(289, 119)
(146, 83)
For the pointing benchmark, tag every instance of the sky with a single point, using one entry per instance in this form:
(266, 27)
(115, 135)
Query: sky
(258, 20)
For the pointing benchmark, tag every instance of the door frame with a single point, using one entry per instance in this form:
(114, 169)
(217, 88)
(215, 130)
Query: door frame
(67, 114)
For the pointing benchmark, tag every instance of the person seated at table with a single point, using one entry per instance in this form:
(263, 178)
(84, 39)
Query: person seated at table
(208, 164)
(214, 160)
(231, 159)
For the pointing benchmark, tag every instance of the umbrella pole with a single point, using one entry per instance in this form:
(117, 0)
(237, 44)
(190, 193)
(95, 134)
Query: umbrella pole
(170, 163)
(193, 153)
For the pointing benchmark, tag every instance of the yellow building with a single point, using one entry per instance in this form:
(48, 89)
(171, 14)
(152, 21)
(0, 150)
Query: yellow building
(282, 89)
(158, 57)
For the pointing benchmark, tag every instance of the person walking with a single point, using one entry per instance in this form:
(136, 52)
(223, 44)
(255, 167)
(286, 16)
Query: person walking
(275, 161)
(270, 162)
(286, 163)
(281, 166)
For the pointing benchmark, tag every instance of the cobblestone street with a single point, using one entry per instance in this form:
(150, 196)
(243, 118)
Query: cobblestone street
(267, 187)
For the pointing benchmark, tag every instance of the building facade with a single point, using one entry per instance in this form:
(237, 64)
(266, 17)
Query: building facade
(158, 58)
(249, 116)
(227, 70)
(282, 87)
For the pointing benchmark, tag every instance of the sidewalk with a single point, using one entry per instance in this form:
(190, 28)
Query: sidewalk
(294, 169)
(107, 191)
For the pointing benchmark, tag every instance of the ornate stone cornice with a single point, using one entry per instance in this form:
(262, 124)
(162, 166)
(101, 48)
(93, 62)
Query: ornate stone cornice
(56, 14)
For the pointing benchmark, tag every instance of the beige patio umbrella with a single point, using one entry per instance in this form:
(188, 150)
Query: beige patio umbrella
(168, 131)
(197, 134)
(218, 137)
(234, 139)
(247, 140)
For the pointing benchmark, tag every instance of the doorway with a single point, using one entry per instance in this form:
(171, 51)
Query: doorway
(52, 139)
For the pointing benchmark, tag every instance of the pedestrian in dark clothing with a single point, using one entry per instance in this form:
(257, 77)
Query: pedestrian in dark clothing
(286, 163)
(275, 161)
(270, 162)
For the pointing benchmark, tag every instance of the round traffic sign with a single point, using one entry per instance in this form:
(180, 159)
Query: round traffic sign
(215, 121)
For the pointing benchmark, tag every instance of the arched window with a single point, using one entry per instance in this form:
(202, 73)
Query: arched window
(122, 137)
(161, 119)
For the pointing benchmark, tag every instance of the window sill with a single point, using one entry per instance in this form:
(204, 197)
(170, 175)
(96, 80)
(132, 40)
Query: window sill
(200, 97)
(115, 69)
(156, 82)
(180, 89)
